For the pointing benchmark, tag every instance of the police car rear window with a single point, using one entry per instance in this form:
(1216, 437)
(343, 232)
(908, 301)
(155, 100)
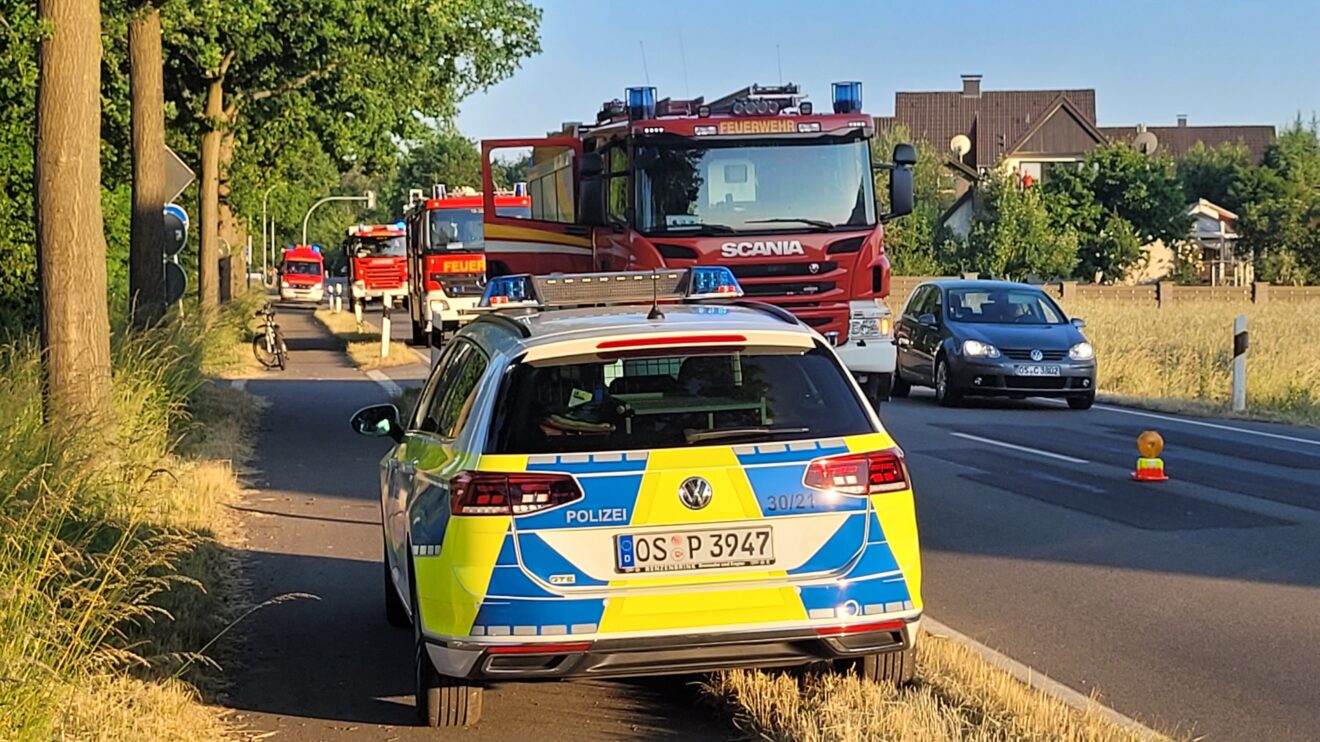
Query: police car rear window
(663, 401)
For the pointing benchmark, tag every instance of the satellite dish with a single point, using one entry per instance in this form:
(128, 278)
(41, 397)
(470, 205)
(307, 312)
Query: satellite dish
(960, 145)
(1146, 143)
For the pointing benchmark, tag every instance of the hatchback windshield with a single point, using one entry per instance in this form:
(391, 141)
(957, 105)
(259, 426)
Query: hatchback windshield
(1003, 306)
(723, 187)
(671, 401)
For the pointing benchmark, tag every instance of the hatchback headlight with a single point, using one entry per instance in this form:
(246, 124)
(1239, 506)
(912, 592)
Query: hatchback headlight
(1081, 352)
(978, 349)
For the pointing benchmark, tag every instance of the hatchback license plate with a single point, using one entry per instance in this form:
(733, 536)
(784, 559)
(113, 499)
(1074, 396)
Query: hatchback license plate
(683, 550)
(1036, 370)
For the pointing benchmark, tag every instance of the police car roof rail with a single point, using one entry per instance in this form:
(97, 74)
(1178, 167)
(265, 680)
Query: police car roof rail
(505, 321)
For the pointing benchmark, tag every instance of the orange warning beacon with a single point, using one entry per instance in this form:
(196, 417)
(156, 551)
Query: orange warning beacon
(1150, 468)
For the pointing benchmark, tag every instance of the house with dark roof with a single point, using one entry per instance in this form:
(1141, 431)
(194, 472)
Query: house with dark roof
(1031, 132)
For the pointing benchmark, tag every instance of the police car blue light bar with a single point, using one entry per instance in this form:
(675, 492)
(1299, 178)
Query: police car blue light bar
(632, 287)
(847, 97)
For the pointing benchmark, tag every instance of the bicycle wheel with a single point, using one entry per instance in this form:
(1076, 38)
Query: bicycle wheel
(264, 355)
(281, 350)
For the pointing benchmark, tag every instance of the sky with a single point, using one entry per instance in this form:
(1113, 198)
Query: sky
(1218, 62)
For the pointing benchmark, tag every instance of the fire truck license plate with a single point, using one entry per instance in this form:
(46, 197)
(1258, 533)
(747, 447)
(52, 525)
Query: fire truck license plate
(682, 550)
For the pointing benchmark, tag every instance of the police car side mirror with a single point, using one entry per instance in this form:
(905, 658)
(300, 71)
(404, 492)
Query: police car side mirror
(378, 421)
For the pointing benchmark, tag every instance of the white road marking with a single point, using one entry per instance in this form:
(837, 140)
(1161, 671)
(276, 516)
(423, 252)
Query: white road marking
(1038, 680)
(1216, 426)
(385, 383)
(1023, 449)
(238, 384)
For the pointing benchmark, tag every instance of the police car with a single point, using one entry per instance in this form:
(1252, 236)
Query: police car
(670, 480)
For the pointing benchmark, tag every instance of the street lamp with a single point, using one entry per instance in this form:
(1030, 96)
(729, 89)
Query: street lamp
(264, 244)
(369, 197)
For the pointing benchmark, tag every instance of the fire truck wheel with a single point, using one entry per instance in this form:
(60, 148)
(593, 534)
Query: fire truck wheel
(877, 388)
(900, 387)
(418, 333)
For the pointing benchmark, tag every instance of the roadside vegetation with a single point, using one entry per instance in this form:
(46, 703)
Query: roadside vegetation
(362, 341)
(1180, 358)
(112, 578)
(957, 697)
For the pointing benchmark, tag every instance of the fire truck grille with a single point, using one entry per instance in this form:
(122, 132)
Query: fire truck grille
(382, 276)
(793, 288)
(767, 270)
(462, 284)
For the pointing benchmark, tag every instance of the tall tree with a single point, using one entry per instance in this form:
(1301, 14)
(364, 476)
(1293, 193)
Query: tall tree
(146, 277)
(1013, 234)
(1280, 224)
(75, 323)
(914, 243)
(1216, 174)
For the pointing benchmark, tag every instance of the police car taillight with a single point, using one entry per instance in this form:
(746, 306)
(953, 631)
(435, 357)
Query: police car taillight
(858, 474)
(499, 493)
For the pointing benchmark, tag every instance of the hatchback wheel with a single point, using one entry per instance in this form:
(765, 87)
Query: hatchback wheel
(945, 392)
(1083, 402)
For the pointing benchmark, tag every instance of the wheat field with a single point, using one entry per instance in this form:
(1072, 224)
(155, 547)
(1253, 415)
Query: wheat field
(1179, 357)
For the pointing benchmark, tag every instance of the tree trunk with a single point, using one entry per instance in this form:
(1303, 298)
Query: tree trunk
(146, 276)
(208, 251)
(75, 323)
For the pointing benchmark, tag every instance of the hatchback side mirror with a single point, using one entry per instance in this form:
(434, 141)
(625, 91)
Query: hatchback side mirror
(378, 421)
(928, 320)
(1078, 322)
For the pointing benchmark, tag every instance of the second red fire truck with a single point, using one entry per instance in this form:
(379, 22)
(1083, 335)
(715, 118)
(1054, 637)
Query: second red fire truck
(377, 262)
(758, 181)
(446, 254)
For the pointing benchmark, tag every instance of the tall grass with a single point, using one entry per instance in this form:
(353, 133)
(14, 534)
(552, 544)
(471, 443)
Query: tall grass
(1180, 357)
(94, 535)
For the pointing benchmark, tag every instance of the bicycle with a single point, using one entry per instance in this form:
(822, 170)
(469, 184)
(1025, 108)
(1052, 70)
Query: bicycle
(268, 343)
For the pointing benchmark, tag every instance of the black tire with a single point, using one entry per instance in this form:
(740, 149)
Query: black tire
(419, 334)
(900, 388)
(876, 388)
(945, 392)
(441, 701)
(281, 350)
(897, 668)
(395, 612)
(1083, 402)
(263, 356)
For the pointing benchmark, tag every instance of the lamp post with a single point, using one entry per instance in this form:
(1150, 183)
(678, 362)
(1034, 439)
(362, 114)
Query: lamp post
(265, 246)
(369, 197)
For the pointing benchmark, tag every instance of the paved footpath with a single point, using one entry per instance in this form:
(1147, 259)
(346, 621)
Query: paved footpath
(330, 668)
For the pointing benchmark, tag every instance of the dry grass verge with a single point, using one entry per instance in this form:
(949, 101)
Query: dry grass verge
(957, 696)
(111, 576)
(1178, 359)
(362, 342)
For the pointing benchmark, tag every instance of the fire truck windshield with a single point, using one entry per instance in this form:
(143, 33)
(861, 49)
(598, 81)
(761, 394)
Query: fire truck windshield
(301, 268)
(761, 186)
(462, 229)
(379, 247)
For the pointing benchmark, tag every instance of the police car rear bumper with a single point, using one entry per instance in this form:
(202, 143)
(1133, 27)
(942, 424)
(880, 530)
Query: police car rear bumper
(671, 655)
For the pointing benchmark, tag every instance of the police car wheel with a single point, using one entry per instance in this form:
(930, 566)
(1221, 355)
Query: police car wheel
(444, 701)
(1083, 402)
(395, 612)
(898, 668)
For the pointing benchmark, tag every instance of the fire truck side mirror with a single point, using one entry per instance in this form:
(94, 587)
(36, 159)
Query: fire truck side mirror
(900, 193)
(905, 155)
(591, 190)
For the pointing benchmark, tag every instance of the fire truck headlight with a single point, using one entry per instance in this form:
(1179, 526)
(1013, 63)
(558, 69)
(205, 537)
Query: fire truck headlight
(284, 284)
(438, 306)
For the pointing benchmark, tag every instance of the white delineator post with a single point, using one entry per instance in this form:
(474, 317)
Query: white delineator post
(385, 327)
(357, 309)
(337, 298)
(1240, 363)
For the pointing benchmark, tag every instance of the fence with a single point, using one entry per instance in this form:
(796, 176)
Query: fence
(1154, 295)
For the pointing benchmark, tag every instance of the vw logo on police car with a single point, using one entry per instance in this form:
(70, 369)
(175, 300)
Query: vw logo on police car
(695, 493)
(1036, 355)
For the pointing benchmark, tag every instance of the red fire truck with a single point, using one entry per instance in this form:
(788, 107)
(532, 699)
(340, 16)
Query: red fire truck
(377, 262)
(302, 274)
(757, 181)
(446, 254)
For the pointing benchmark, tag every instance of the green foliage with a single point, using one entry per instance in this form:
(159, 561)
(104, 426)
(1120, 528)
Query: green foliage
(914, 243)
(1014, 236)
(18, 86)
(1281, 225)
(441, 155)
(1218, 175)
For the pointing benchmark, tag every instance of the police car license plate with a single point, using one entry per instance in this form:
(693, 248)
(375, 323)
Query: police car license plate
(668, 552)
(1036, 370)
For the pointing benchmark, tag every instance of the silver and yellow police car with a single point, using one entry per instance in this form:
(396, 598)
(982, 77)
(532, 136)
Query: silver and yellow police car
(638, 474)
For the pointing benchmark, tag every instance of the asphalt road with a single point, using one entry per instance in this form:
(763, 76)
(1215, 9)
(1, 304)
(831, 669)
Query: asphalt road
(328, 667)
(1193, 604)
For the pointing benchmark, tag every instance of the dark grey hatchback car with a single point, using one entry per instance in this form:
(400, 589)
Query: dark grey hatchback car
(992, 338)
